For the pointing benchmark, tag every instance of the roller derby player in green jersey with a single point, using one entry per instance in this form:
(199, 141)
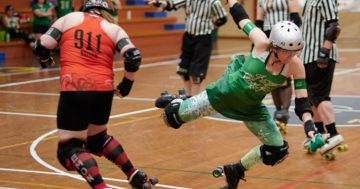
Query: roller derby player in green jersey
(238, 94)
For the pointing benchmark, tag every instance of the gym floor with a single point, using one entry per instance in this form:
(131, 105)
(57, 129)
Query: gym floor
(181, 158)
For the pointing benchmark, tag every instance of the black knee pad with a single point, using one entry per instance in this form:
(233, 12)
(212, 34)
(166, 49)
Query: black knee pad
(171, 116)
(96, 144)
(273, 155)
(316, 100)
(67, 149)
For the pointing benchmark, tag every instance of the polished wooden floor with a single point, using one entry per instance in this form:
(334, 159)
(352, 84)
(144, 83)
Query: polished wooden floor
(181, 158)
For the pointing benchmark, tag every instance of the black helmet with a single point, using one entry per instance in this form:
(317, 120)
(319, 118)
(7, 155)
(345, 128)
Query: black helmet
(101, 4)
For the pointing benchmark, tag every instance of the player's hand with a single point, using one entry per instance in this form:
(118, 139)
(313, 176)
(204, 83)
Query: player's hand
(124, 87)
(46, 62)
(323, 58)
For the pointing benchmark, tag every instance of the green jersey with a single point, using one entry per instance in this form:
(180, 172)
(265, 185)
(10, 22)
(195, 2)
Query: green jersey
(115, 12)
(238, 94)
(43, 21)
(64, 7)
(13, 24)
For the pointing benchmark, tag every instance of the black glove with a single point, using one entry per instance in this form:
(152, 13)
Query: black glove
(125, 86)
(46, 62)
(323, 57)
(308, 127)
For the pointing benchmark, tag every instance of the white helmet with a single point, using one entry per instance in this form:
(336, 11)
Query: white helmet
(286, 35)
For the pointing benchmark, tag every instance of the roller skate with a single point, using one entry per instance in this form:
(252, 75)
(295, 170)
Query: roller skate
(139, 180)
(281, 118)
(231, 173)
(312, 144)
(332, 143)
(166, 98)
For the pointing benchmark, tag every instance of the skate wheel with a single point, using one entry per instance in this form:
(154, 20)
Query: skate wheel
(343, 147)
(330, 156)
(218, 172)
(153, 180)
(146, 185)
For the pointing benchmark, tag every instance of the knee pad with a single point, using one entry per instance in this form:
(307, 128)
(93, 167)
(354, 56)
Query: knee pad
(316, 101)
(273, 155)
(96, 144)
(67, 149)
(196, 80)
(171, 116)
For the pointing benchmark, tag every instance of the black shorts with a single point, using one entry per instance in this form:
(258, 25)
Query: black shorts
(195, 56)
(78, 109)
(319, 80)
(40, 29)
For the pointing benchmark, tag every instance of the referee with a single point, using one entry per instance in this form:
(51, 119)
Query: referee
(320, 55)
(268, 13)
(202, 17)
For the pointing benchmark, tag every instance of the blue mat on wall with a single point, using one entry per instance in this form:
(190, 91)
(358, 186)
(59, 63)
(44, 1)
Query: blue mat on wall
(155, 14)
(135, 2)
(174, 26)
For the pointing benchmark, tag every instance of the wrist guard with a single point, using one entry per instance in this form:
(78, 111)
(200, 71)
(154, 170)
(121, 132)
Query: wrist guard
(125, 86)
(323, 57)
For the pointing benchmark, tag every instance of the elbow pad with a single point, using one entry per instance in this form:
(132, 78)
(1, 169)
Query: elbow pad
(238, 13)
(132, 60)
(332, 30)
(40, 50)
(295, 17)
(221, 21)
(302, 105)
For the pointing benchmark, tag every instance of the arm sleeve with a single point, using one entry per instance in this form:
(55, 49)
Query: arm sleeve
(329, 10)
(218, 10)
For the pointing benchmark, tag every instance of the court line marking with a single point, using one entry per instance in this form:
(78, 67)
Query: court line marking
(47, 79)
(161, 63)
(38, 70)
(37, 185)
(42, 162)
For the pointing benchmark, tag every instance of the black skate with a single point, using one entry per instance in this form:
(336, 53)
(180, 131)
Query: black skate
(139, 180)
(166, 98)
(232, 175)
(281, 118)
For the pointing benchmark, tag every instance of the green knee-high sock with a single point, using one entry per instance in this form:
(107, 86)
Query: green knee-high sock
(251, 158)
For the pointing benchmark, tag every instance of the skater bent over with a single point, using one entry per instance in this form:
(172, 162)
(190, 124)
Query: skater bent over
(238, 94)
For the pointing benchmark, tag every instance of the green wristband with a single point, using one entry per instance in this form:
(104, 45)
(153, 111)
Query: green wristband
(299, 84)
(248, 27)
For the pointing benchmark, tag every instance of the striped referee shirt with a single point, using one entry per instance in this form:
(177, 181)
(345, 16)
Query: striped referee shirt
(316, 13)
(200, 14)
(275, 11)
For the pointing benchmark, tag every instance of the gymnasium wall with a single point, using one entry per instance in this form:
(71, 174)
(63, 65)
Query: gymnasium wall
(349, 21)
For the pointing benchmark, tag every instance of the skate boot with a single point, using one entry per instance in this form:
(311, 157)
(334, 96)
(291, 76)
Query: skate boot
(281, 118)
(139, 180)
(333, 142)
(166, 98)
(232, 175)
(312, 144)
